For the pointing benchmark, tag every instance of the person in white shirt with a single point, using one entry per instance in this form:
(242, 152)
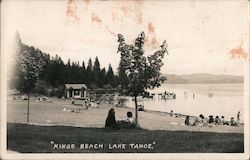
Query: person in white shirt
(130, 118)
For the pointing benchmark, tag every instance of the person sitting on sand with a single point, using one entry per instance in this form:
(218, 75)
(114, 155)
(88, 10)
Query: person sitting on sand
(211, 119)
(177, 115)
(217, 120)
(233, 122)
(111, 121)
(223, 121)
(199, 121)
(128, 123)
(187, 121)
(130, 118)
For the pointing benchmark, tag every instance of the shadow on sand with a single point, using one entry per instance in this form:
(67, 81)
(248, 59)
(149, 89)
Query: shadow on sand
(27, 138)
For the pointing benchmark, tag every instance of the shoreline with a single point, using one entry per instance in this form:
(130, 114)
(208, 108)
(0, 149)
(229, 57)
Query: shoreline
(54, 114)
(168, 113)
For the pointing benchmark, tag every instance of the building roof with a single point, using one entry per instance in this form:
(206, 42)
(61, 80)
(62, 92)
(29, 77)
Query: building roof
(75, 86)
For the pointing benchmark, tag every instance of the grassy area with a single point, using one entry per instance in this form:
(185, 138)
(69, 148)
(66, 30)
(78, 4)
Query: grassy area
(37, 139)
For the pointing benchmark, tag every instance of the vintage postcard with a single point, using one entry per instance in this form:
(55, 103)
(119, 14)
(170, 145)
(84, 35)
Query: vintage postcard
(136, 79)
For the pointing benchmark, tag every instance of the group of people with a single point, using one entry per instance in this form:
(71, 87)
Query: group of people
(203, 122)
(113, 124)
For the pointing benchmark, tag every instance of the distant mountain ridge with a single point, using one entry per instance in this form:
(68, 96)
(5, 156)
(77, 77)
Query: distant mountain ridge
(202, 78)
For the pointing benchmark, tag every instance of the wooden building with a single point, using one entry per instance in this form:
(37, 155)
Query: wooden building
(75, 90)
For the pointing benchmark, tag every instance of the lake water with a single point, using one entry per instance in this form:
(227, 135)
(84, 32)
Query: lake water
(227, 100)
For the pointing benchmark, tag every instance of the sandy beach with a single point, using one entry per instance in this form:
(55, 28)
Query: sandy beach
(59, 112)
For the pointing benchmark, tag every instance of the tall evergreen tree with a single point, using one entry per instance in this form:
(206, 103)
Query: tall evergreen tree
(90, 65)
(83, 73)
(83, 65)
(96, 72)
(69, 63)
(110, 76)
(103, 77)
(96, 66)
(89, 74)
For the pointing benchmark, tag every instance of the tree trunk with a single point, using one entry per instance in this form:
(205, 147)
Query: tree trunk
(136, 112)
(28, 108)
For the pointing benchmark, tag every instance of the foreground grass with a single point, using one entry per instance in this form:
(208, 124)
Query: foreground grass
(37, 139)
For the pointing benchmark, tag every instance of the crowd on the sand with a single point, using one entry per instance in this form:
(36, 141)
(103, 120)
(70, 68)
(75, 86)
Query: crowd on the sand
(211, 121)
(200, 121)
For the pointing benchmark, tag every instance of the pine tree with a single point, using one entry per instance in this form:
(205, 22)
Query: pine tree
(103, 77)
(83, 65)
(69, 63)
(90, 66)
(89, 73)
(110, 76)
(96, 72)
(83, 73)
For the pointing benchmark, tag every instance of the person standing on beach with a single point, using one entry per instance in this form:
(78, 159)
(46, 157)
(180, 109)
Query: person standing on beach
(238, 117)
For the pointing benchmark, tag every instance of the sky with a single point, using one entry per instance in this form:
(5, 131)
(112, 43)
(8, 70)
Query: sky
(202, 36)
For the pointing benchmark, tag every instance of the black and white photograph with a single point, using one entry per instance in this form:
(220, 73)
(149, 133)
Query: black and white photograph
(125, 79)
